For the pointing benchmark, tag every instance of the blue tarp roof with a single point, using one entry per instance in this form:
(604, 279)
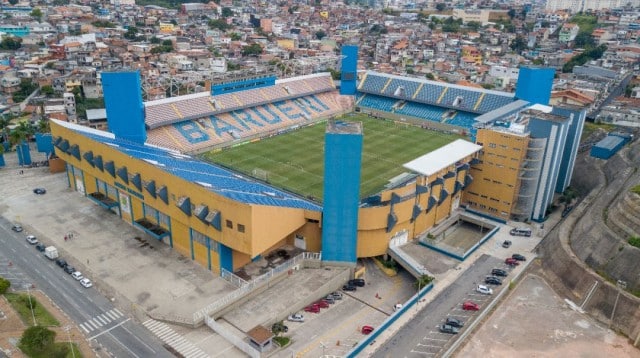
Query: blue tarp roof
(214, 178)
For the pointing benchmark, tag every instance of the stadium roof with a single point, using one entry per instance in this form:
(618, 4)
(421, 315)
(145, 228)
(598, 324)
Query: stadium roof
(502, 111)
(215, 179)
(442, 157)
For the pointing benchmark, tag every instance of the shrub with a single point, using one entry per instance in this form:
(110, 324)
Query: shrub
(29, 301)
(36, 339)
(4, 285)
(282, 341)
(634, 241)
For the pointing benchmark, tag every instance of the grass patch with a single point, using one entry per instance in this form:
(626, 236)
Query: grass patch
(295, 160)
(59, 349)
(19, 302)
(636, 189)
(590, 127)
(634, 241)
(282, 341)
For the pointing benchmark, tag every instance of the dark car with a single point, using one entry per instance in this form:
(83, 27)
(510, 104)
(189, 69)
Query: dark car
(492, 280)
(357, 282)
(39, 191)
(445, 328)
(518, 257)
(69, 269)
(16, 227)
(279, 327)
(349, 287)
(62, 263)
(506, 244)
(499, 272)
(40, 247)
(454, 322)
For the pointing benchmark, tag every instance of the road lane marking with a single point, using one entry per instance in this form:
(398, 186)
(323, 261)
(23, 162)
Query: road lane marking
(139, 340)
(84, 328)
(109, 330)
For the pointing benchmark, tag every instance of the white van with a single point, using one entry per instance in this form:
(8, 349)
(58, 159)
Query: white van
(520, 231)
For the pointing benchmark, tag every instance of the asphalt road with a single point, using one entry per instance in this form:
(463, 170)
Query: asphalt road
(420, 336)
(100, 321)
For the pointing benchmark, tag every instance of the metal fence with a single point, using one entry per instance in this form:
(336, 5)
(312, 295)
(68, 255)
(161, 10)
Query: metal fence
(232, 278)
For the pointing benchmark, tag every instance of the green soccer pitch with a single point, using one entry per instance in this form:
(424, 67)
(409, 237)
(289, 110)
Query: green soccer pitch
(295, 160)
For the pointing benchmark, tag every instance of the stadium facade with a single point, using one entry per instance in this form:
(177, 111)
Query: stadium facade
(520, 153)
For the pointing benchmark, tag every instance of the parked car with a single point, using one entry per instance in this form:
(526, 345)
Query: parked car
(357, 282)
(349, 287)
(397, 307)
(492, 280)
(279, 327)
(40, 247)
(499, 272)
(16, 227)
(69, 269)
(312, 308)
(62, 263)
(329, 299)
(470, 306)
(518, 257)
(484, 290)
(322, 304)
(336, 295)
(506, 244)
(511, 262)
(445, 328)
(296, 317)
(454, 322)
(39, 191)
(32, 239)
(77, 275)
(86, 282)
(367, 329)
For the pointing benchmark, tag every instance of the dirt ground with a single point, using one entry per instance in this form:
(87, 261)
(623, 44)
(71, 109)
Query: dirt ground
(11, 327)
(535, 322)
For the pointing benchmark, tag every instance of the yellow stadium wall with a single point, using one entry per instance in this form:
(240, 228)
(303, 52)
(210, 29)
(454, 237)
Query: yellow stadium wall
(495, 185)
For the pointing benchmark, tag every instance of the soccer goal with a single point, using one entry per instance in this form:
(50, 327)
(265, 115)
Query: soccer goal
(260, 174)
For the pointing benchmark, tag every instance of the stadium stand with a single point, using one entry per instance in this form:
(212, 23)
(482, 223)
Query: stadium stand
(212, 177)
(422, 111)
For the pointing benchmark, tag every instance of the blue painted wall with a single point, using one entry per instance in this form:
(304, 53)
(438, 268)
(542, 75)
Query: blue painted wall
(577, 117)
(342, 161)
(123, 101)
(44, 142)
(24, 156)
(226, 258)
(534, 84)
(349, 70)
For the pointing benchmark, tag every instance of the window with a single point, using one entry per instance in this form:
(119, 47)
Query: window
(165, 220)
(492, 145)
(199, 237)
(229, 224)
(240, 228)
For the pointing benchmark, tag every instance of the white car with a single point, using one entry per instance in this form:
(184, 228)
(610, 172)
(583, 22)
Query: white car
(32, 240)
(77, 275)
(86, 282)
(297, 317)
(484, 290)
(397, 307)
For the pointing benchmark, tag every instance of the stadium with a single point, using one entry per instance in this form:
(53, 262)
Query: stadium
(227, 176)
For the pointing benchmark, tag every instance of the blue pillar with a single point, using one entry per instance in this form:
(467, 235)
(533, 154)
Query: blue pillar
(2, 160)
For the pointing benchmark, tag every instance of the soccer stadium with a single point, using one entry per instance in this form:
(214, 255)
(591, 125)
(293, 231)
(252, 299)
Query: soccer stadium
(227, 176)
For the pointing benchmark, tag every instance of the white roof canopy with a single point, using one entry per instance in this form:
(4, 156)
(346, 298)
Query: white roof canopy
(442, 157)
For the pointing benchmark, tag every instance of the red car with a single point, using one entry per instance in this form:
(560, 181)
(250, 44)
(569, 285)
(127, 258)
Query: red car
(312, 308)
(322, 304)
(470, 306)
(367, 329)
(511, 262)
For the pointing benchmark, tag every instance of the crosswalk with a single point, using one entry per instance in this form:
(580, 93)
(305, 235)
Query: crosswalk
(176, 341)
(101, 320)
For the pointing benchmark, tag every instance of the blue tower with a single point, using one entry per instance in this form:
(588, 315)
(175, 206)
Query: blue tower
(577, 116)
(342, 160)
(349, 70)
(534, 84)
(125, 110)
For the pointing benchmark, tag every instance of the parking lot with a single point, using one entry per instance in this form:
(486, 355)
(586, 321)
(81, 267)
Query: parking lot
(535, 322)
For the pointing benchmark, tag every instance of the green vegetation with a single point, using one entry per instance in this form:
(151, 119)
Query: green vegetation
(103, 23)
(282, 341)
(390, 263)
(10, 43)
(166, 46)
(220, 24)
(636, 189)
(295, 161)
(634, 241)
(4, 283)
(423, 281)
(254, 49)
(26, 88)
(20, 302)
(38, 342)
(586, 23)
(590, 127)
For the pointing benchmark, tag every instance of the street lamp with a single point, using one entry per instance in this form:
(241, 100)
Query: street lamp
(33, 316)
(68, 328)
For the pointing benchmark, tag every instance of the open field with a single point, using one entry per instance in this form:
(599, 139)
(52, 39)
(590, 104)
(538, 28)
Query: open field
(295, 160)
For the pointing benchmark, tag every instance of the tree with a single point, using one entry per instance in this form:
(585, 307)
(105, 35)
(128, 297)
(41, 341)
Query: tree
(519, 44)
(10, 43)
(36, 14)
(252, 50)
(511, 13)
(47, 90)
(430, 76)
(43, 126)
(227, 12)
(220, 24)
(441, 6)
(423, 281)
(132, 33)
(235, 36)
(154, 40)
(37, 339)
(474, 25)
(4, 283)
(320, 34)
(13, 2)
(584, 40)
